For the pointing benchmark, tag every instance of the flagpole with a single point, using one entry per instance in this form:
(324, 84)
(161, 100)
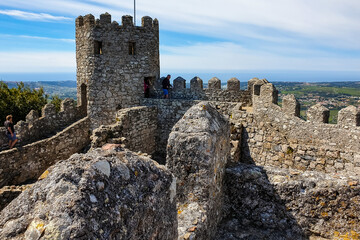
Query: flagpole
(134, 14)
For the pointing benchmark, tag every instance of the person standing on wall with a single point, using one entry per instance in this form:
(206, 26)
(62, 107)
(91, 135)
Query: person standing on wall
(166, 85)
(10, 133)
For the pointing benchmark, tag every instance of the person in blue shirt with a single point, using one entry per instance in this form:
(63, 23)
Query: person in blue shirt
(166, 85)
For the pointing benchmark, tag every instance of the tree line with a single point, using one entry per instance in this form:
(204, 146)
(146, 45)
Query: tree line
(19, 101)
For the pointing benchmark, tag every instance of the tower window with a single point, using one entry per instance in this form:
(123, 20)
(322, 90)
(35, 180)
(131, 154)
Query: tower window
(131, 48)
(98, 47)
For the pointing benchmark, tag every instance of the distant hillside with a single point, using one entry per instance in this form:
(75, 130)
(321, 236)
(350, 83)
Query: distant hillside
(64, 89)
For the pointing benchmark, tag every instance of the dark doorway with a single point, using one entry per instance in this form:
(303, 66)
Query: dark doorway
(149, 86)
(83, 99)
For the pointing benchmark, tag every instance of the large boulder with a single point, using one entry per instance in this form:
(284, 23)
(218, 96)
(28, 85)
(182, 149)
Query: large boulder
(104, 194)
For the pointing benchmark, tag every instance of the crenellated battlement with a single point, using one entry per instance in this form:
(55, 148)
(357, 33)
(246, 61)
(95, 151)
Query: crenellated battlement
(213, 92)
(36, 127)
(89, 21)
(264, 93)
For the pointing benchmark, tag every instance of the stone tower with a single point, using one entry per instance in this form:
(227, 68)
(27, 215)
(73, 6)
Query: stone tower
(113, 61)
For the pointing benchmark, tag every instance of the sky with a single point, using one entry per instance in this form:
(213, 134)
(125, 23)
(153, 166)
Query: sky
(278, 39)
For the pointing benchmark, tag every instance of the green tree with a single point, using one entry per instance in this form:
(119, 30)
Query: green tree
(56, 100)
(20, 101)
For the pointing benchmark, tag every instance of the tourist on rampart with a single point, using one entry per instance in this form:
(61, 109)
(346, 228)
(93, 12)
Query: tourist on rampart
(166, 85)
(10, 133)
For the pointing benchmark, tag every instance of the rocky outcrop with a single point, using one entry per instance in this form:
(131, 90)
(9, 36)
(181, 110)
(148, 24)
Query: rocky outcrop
(104, 194)
(197, 151)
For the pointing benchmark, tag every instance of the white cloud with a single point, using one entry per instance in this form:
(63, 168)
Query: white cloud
(38, 38)
(326, 22)
(229, 56)
(15, 62)
(282, 33)
(33, 16)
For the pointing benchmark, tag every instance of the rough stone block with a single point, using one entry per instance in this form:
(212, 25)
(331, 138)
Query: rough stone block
(75, 200)
(349, 117)
(214, 83)
(268, 93)
(233, 84)
(197, 151)
(179, 84)
(318, 114)
(196, 84)
(290, 105)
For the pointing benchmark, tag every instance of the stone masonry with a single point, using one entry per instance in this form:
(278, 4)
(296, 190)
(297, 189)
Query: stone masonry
(135, 128)
(112, 63)
(197, 151)
(19, 165)
(50, 122)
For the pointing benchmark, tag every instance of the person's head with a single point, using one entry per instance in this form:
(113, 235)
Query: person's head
(168, 76)
(9, 117)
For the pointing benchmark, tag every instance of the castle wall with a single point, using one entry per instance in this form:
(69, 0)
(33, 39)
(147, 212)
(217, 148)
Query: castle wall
(222, 95)
(170, 111)
(9, 193)
(50, 122)
(135, 128)
(30, 161)
(112, 63)
(213, 93)
(197, 151)
(271, 137)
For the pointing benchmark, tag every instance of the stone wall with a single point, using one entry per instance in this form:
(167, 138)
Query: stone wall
(197, 151)
(110, 194)
(30, 161)
(112, 63)
(273, 138)
(135, 127)
(212, 93)
(274, 203)
(170, 111)
(222, 95)
(50, 122)
(9, 193)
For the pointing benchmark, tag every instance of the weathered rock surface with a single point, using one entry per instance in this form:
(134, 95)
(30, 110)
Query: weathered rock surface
(273, 203)
(197, 151)
(112, 194)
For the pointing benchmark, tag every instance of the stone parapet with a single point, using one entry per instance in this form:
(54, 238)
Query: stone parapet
(233, 84)
(290, 105)
(179, 84)
(35, 128)
(273, 138)
(135, 128)
(349, 117)
(196, 84)
(9, 193)
(318, 114)
(26, 163)
(214, 83)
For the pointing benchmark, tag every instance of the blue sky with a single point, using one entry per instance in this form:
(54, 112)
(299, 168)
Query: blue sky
(228, 36)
